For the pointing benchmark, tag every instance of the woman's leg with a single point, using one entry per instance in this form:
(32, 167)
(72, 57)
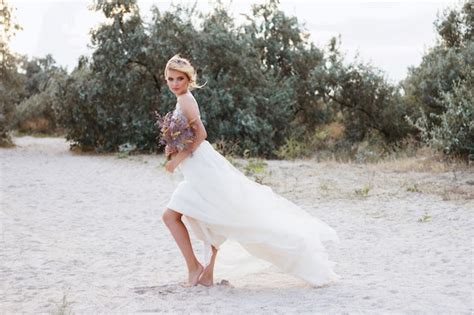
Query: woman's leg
(172, 219)
(207, 276)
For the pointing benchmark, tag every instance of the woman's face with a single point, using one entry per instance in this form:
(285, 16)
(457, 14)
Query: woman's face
(177, 81)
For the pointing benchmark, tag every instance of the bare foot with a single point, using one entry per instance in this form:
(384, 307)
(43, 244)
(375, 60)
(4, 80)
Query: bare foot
(207, 276)
(193, 276)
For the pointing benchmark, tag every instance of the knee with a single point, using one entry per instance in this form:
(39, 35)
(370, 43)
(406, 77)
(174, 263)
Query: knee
(170, 217)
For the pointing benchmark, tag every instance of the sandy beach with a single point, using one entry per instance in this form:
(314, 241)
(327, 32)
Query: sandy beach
(82, 233)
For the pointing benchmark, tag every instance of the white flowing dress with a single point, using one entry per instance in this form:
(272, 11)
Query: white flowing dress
(220, 203)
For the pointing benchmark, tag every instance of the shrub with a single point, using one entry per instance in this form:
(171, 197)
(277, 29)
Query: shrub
(439, 91)
(36, 114)
(452, 131)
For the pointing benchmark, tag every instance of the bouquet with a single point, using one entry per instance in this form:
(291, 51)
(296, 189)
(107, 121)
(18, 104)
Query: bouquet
(176, 132)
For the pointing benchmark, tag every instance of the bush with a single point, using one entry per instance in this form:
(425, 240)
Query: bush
(453, 130)
(8, 98)
(293, 149)
(109, 101)
(439, 92)
(6, 112)
(36, 115)
(367, 103)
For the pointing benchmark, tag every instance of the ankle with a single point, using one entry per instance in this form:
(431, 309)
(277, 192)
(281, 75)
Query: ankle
(194, 266)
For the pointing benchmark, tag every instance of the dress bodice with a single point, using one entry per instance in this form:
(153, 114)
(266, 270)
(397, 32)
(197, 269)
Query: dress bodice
(178, 112)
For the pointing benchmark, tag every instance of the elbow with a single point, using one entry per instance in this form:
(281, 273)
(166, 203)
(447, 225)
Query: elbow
(201, 134)
(200, 137)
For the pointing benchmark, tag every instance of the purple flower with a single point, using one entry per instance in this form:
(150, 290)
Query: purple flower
(176, 131)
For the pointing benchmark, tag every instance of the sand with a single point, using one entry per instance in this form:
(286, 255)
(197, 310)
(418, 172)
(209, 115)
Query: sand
(82, 233)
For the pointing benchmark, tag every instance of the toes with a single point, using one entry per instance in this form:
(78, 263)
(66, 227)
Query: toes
(195, 279)
(205, 280)
(205, 283)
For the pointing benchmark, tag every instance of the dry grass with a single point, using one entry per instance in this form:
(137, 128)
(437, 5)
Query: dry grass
(457, 185)
(335, 130)
(424, 160)
(37, 124)
(6, 143)
(433, 173)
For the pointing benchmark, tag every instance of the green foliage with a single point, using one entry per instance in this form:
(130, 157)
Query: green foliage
(268, 88)
(362, 192)
(10, 79)
(413, 188)
(366, 101)
(371, 150)
(437, 74)
(35, 112)
(440, 90)
(74, 112)
(109, 100)
(293, 149)
(425, 218)
(456, 27)
(255, 166)
(453, 130)
(248, 104)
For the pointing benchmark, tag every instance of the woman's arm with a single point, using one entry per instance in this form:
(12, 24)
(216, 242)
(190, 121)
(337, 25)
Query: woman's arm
(190, 109)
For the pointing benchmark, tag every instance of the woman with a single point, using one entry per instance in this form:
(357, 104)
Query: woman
(218, 202)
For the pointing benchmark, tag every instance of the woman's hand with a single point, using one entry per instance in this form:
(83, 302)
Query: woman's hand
(171, 165)
(169, 152)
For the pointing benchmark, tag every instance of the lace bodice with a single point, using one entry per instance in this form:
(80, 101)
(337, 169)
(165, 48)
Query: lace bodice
(177, 110)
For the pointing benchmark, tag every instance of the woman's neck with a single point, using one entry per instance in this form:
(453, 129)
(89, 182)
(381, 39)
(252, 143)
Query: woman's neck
(187, 92)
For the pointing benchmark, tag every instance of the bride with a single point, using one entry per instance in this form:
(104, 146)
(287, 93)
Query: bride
(219, 203)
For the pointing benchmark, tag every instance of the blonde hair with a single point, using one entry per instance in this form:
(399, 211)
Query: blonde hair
(180, 64)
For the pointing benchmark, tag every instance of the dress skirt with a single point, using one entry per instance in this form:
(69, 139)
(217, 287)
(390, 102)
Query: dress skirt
(220, 203)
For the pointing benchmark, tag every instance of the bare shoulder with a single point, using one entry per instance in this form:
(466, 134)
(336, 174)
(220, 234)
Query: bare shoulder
(188, 105)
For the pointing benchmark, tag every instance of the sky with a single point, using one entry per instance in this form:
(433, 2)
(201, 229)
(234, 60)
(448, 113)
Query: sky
(391, 35)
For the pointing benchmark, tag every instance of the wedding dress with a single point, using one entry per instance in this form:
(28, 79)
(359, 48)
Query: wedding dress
(220, 203)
